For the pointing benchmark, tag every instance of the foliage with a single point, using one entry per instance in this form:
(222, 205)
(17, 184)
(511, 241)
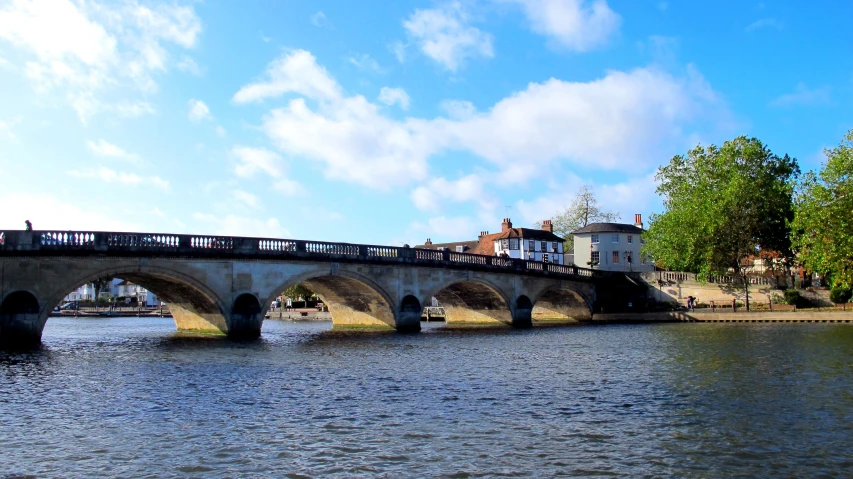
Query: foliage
(297, 291)
(99, 285)
(823, 225)
(840, 295)
(723, 205)
(792, 296)
(583, 211)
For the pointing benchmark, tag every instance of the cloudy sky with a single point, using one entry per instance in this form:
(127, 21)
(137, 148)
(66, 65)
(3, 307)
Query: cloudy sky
(393, 121)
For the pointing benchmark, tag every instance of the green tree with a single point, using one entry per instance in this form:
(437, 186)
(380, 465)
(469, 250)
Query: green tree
(722, 206)
(823, 225)
(583, 211)
(99, 285)
(297, 291)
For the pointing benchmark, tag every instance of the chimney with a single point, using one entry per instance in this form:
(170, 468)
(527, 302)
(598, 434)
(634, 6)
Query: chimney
(638, 220)
(547, 226)
(428, 242)
(506, 225)
(482, 235)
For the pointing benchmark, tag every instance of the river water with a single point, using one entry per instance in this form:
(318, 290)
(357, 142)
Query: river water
(128, 397)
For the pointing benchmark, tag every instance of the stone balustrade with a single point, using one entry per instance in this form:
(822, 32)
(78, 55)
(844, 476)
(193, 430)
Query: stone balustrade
(34, 243)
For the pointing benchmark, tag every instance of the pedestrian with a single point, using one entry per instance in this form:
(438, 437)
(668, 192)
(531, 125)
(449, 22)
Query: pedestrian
(29, 225)
(289, 304)
(691, 303)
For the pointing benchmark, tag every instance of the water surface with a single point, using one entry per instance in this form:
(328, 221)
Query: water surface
(128, 397)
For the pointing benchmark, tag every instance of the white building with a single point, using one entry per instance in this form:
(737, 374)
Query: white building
(611, 247)
(525, 243)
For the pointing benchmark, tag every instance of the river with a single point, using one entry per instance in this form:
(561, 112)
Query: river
(129, 397)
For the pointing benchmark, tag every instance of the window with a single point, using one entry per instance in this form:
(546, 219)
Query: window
(531, 245)
(595, 256)
(504, 244)
(615, 238)
(544, 246)
(513, 243)
(615, 257)
(629, 257)
(630, 239)
(554, 247)
(595, 239)
(544, 257)
(460, 249)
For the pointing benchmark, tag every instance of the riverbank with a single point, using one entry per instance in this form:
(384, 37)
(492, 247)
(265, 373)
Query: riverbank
(798, 316)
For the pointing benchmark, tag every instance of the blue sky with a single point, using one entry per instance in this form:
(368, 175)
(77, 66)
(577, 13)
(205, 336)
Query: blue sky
(388, 121)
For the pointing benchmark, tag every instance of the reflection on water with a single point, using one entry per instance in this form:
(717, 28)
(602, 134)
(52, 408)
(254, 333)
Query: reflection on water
(128, 397)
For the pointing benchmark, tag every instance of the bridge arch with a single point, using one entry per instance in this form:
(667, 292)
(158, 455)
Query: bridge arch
(560, 304)
(354, 301)
(19, 323)
(473, 301)
(193, 305)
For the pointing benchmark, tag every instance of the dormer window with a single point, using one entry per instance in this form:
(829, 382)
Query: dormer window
(460, 249)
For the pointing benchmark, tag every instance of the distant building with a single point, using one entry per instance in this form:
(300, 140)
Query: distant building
(520, 243)
(611, 246)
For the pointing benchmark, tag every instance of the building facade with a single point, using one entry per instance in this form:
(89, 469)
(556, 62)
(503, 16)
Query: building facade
(519, 243)
(611, 247)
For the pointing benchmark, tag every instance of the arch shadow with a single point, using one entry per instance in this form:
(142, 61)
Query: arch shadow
(473, 302)
(193, 305)
(560, 304)
(354, 301)
(20, 327)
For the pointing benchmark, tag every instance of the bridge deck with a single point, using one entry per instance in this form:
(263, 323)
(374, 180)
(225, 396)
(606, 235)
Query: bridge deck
(83, 243)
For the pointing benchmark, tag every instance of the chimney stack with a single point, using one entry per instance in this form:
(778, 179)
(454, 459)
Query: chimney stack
(638, 220)
(428, 242)
(506, 225)
(547, 226)
(483, 234)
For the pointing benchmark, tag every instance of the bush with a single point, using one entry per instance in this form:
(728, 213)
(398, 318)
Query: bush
(792, 296)
(840, 295)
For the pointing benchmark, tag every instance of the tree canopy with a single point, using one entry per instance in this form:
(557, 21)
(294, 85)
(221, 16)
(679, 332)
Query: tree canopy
(297, 291)
(722, 205)
(823, 226)
(583, 211)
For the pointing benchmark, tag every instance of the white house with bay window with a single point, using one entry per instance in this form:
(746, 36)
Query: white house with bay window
(611, 247)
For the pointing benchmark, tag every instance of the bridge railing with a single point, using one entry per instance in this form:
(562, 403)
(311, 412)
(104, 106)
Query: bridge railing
(81, 242)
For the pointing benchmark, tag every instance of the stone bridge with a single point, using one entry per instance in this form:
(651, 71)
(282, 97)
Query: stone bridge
(224, 285)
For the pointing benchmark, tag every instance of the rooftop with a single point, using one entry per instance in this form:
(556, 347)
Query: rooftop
(608, 228)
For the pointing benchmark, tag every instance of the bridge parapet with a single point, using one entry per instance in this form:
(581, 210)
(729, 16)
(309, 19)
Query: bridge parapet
(35, 243)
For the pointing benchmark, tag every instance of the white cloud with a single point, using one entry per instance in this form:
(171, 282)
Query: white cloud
(198, 111)
(111, 176)
(764, 23)
(467, 188)
(87, 47)
(444, 35)
(104, 148)
(398, 48)
(241, 226)
(634, 195)
(295, 71)
(48, 212)
(366, 63)
(624, 120)
(187, 64)
(132, 109)
(252, 160)
(390, 96)
(288, 187)
(7, 126)
(577, 25)
(802, 95)
(246, 198)
(319, 20)
(220, 131)
(459, 109)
